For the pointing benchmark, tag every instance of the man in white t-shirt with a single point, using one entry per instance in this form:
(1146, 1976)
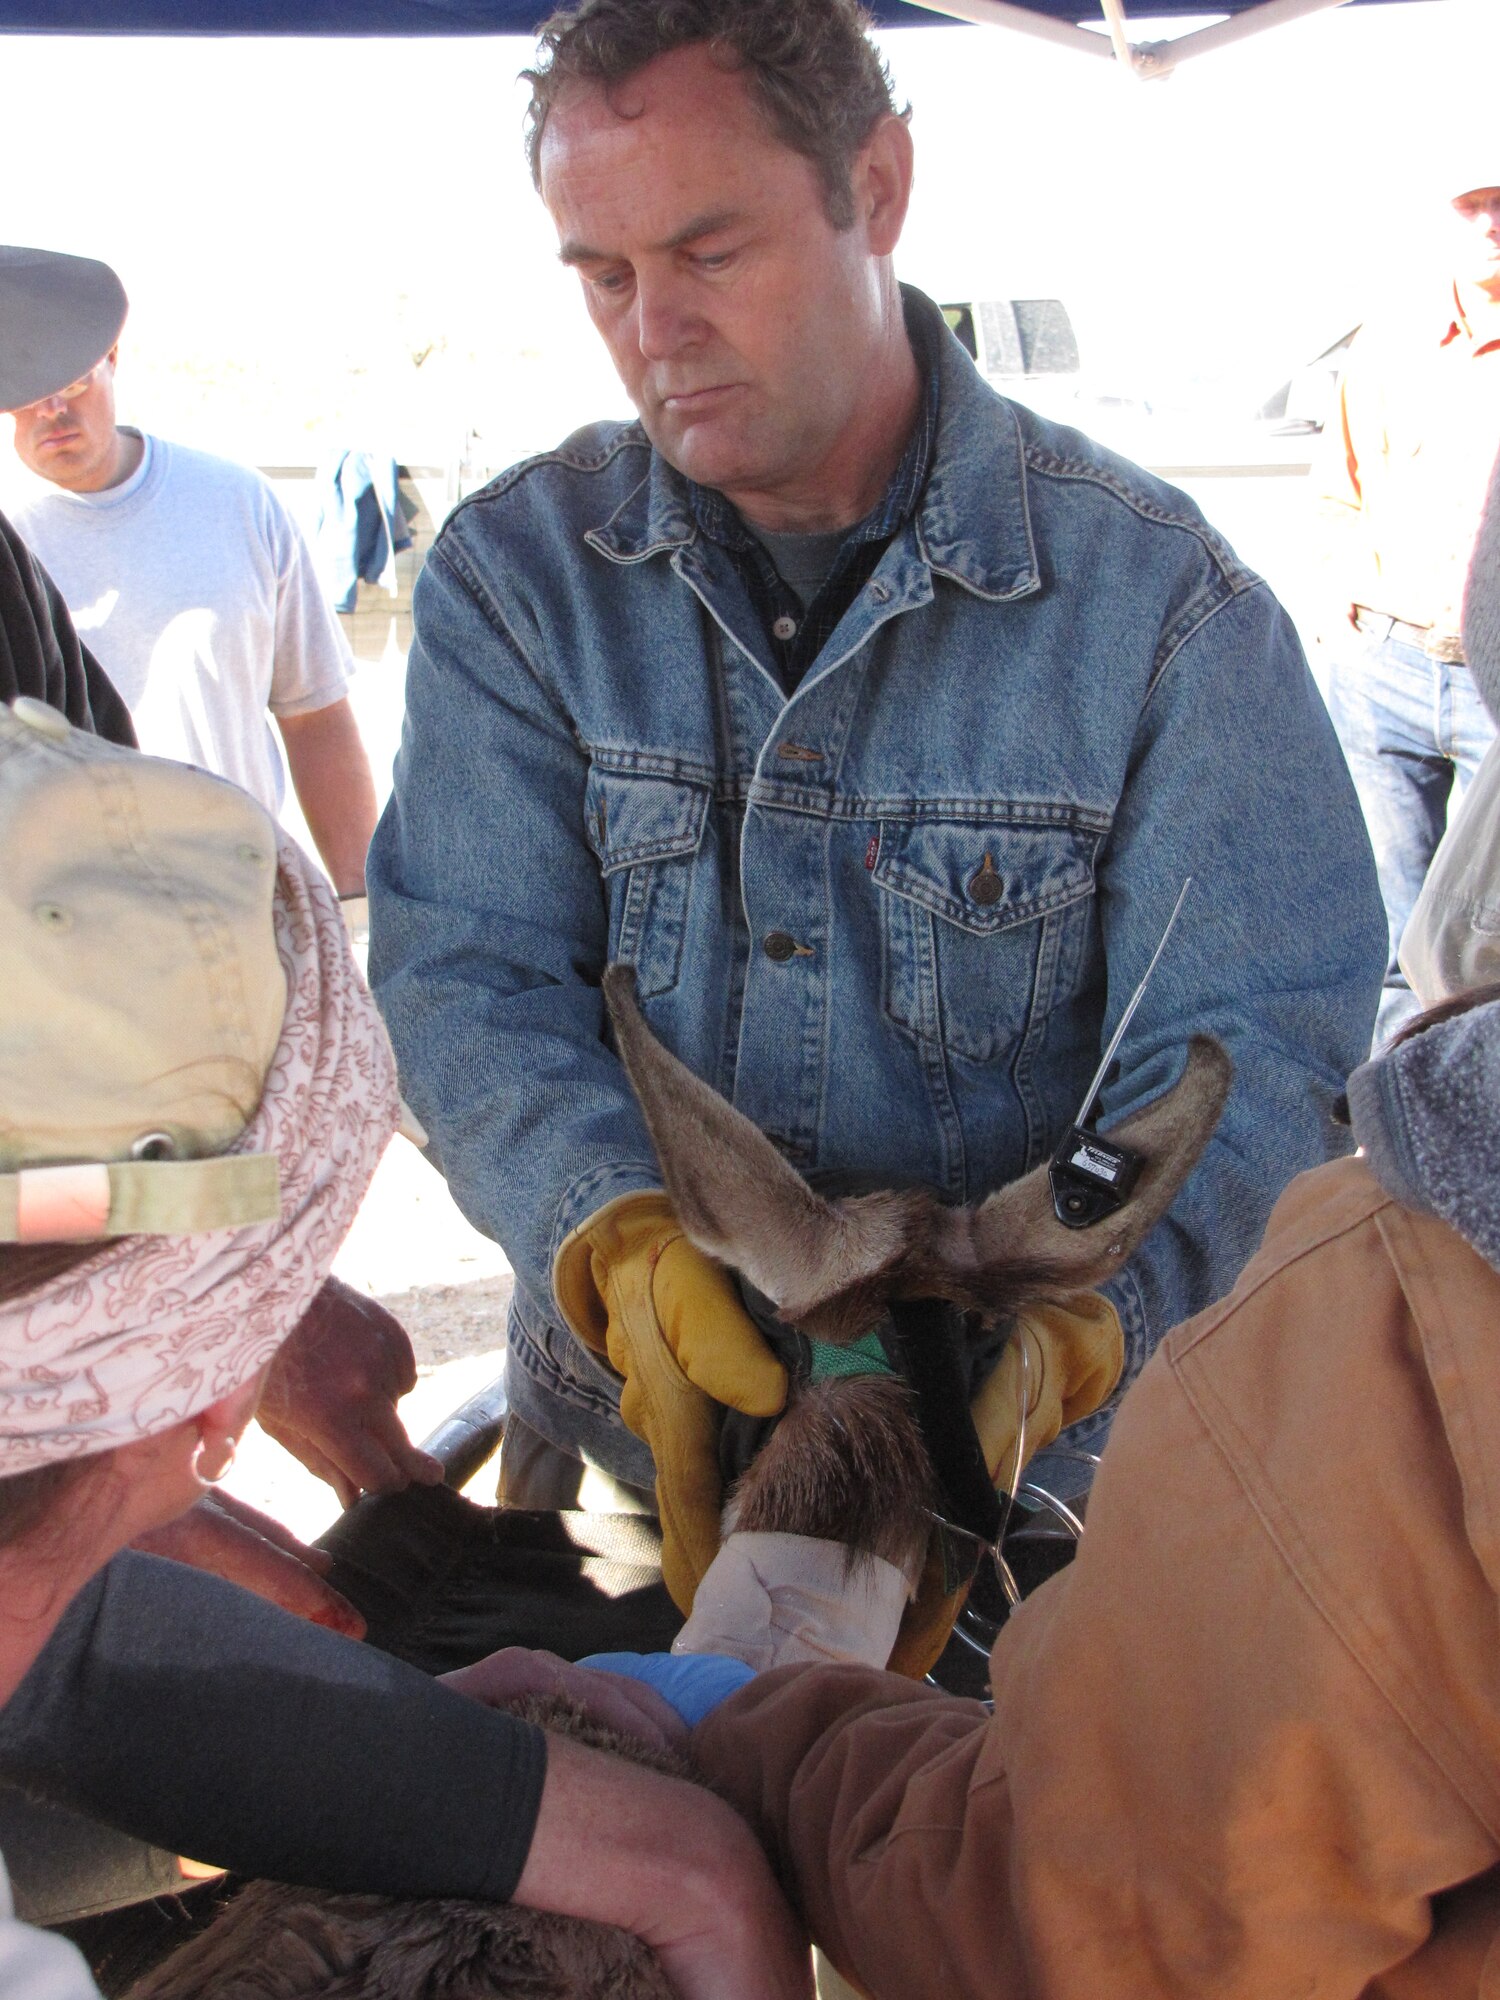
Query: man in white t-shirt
(194, 589)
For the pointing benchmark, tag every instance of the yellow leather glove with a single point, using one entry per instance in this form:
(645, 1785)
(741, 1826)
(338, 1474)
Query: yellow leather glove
(669, 1321)
(1075, 1352)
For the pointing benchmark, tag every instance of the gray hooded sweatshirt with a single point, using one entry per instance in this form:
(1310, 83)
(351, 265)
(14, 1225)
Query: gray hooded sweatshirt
(1427, 1114)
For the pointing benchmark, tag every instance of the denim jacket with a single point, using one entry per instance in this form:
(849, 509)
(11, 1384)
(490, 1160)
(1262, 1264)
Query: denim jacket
(894, 916)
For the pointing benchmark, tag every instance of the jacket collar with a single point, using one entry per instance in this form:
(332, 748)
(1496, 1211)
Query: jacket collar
(973, 523)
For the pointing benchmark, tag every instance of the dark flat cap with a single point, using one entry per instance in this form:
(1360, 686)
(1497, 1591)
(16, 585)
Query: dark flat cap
(58, 316)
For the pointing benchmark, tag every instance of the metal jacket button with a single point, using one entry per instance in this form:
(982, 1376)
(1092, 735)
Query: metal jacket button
(985, 885)
(779, 946)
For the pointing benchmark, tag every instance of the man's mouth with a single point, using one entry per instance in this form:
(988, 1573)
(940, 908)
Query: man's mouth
(691, 399)
(50, 440)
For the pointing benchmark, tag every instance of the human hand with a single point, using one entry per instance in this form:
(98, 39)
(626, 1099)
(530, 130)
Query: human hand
(619, 1844)
(244, 1546)
(670, 1322)
(330, 1397)
(613, 1700)
(738, 1940)
(1064, 1358)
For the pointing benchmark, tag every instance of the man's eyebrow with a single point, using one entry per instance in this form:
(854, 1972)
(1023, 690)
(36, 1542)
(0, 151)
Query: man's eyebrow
(573, 252)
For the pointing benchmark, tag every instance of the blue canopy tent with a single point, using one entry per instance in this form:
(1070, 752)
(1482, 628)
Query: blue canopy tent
(1055, 20)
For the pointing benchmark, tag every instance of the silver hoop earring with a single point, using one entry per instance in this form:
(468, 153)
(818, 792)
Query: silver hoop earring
(210, 1472)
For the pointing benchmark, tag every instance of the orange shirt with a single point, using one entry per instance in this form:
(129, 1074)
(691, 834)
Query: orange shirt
(1406, 461)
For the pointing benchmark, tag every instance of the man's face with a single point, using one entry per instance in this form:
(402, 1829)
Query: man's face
(1478, 213)
(69, 438)
(738, 317)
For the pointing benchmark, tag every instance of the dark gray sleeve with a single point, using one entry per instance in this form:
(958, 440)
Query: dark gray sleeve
(196, 1716)
(40, 652)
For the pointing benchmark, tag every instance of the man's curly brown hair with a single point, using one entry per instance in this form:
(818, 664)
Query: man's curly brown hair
(820, 83)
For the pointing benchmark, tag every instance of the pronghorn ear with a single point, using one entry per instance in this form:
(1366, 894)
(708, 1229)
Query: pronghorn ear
(734, 1194)
(1019, 1223)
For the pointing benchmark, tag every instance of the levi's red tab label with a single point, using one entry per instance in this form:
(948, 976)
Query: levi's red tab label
(872, 850)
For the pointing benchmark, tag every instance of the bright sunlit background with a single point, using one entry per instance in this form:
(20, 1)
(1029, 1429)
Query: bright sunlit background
(334, 243)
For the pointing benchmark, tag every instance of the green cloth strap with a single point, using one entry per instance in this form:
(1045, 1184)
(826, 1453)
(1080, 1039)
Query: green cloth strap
(865, 1357)
(176, 1197)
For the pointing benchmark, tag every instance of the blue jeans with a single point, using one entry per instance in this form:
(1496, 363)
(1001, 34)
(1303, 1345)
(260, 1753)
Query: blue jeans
(1414, 731)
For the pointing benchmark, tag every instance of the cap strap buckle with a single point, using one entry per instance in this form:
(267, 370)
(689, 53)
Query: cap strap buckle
(90, 1201)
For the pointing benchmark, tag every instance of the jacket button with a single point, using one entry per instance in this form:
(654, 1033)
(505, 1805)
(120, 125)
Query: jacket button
(985, 885)
(779, 946)
(784, 628)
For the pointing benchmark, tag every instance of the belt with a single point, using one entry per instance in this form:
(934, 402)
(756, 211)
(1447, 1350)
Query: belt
(1446, 646)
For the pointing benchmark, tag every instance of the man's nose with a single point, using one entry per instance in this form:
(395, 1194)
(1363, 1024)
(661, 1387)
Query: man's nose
(665, 322)
(48, 408)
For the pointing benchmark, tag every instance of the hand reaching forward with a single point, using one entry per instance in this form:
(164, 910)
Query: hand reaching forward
(609, 1699)
(331, 1397)
(672, 1862)
(244, 1546)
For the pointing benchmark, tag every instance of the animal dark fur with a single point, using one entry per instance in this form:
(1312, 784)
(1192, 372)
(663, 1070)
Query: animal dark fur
(845, 1464)
(279, 1943)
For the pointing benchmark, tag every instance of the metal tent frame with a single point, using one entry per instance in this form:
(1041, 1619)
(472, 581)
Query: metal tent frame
(1148, 61)
(1057, 21)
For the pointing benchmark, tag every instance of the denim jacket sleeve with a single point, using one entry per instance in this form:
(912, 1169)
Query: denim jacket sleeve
(488, 974)
(1233, 742)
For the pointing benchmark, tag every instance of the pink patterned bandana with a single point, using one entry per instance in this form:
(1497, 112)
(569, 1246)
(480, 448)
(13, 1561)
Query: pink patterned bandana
(155, 1328)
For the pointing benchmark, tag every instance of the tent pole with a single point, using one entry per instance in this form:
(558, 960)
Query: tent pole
(1119, 35)
(1147, 61)
(1238, 28)
(1000, 14)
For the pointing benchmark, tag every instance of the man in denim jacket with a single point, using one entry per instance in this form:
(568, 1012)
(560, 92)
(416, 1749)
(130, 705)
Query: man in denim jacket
(875, 721)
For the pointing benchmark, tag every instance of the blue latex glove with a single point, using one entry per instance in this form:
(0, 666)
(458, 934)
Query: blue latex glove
(692, 1683)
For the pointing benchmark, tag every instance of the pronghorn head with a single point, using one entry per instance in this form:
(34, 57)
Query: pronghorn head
(830, 1266)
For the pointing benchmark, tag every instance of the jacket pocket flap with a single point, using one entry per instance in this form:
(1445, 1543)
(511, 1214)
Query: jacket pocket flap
(632, 819)
(986, 878)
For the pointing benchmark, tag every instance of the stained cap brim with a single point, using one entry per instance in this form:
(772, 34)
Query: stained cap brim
(58, 316)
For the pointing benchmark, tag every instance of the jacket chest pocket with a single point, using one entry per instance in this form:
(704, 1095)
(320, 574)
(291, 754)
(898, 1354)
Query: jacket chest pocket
(646, 832)
(982, 927)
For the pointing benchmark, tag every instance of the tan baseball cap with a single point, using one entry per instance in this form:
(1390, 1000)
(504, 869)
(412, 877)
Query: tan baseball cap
(143, 991)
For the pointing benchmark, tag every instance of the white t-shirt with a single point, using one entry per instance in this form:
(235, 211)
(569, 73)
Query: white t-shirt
(36, 1965)
(192, 586)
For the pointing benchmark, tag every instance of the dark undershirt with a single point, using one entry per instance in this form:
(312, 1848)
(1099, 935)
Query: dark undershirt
(803, 562)
(187, 1712)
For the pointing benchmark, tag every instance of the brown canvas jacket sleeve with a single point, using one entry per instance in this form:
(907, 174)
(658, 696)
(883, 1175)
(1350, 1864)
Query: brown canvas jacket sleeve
(1245, 1742)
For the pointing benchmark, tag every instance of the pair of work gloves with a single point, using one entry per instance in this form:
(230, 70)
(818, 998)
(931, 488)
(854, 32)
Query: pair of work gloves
(671, 1323)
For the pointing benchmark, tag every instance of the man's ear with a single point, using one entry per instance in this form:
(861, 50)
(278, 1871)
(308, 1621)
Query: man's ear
(880, 179)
